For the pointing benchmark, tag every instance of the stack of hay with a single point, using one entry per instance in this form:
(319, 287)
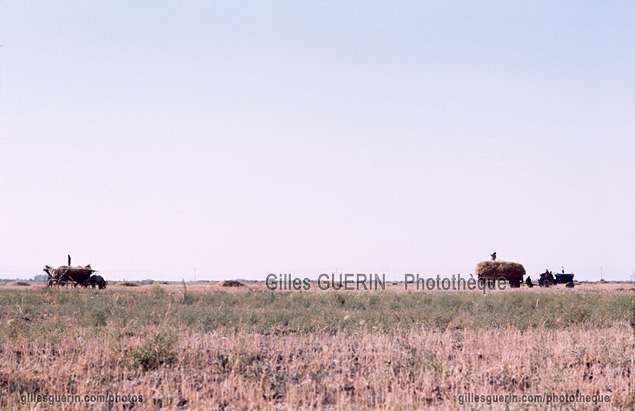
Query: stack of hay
(20, 284)
(231, 283)
(128, 284)
(493, 270)
(77, 274)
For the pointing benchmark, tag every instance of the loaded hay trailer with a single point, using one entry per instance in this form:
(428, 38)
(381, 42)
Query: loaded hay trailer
(491, 271)
(64, 275)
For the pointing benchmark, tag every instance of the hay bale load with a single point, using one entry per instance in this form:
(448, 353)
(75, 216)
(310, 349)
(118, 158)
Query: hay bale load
(128, 284)
(231, 283)
(494, 270)
(66, 274)
(20, 284)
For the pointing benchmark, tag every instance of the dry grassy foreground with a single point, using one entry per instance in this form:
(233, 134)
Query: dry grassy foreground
(261, 350)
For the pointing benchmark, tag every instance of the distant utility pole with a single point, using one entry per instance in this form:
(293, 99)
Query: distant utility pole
(601, 274)
(194, 274)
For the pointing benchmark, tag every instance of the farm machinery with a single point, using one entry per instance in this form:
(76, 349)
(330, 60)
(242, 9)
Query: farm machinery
(548, 278)
(66, 275)
(513, 273)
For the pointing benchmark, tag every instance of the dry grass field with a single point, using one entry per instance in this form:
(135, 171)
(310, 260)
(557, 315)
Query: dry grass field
(203, 346)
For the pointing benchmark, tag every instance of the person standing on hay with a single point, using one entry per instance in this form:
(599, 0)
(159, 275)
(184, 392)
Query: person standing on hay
(493, 255)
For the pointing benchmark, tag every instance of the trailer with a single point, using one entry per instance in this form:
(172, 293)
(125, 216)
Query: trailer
(67, 275)
(490, 271)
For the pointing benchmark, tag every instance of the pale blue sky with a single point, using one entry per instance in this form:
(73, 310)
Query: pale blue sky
(244, 138)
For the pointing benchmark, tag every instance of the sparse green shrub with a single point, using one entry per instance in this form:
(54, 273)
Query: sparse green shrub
(96, 318)
(222, 361)
(154, 352)
(157, 292)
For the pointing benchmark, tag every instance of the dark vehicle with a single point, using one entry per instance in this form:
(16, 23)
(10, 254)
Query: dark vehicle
(547, 278)
(564, 278)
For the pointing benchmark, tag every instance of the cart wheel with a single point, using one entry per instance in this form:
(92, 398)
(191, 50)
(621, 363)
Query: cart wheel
(514, 284)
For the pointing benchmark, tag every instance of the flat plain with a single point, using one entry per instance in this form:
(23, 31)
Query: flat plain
(204, 346)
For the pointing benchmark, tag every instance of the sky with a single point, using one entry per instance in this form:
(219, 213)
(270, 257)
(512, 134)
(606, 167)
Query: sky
(214, 140)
